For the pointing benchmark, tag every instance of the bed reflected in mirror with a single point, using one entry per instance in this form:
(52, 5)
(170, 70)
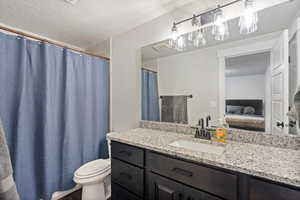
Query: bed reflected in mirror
(247, 92)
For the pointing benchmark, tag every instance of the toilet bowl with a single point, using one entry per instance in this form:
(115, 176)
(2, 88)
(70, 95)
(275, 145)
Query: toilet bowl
(94, 177)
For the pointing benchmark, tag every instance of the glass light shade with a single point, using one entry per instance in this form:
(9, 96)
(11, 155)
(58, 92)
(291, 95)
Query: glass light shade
(172, 43)
(190, 36)
(199, 39)
(180, 43)
(220, 27)
(196, 43)
(249, 20)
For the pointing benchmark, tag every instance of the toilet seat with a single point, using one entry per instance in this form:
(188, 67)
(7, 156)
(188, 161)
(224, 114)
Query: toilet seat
(92, 169)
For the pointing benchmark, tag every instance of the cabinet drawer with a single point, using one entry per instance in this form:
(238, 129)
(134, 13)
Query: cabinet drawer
(128, 176)
(128, 153)
(161, 188)
(210, 180)
(260, 190)
(118, 193)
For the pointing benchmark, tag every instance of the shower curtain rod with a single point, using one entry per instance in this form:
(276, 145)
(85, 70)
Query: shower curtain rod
(149, 70)
(50, 42)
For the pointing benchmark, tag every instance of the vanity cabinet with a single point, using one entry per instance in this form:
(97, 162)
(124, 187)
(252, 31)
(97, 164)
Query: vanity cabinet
(127, 172)
(139, 174)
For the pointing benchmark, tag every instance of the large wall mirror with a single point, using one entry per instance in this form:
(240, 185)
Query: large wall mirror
(248, 80)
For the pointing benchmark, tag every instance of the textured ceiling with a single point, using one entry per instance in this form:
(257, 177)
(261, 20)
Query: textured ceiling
(89, 22)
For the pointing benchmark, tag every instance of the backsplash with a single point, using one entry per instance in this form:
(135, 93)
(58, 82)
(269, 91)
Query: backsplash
(252, 137)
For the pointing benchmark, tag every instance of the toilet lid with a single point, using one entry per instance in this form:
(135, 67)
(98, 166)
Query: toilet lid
(93, 168)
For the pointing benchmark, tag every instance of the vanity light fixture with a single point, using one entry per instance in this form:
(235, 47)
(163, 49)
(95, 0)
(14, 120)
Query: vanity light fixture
(220, 30)
(249, 20)
(220, 27)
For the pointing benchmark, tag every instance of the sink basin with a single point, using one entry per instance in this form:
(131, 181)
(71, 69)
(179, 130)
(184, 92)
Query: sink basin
(197, 146)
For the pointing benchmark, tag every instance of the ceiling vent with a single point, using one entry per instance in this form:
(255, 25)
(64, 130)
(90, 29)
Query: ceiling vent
(162, 45)
(73, 2)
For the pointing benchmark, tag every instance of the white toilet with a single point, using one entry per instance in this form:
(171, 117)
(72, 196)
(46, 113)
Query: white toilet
(95, 179)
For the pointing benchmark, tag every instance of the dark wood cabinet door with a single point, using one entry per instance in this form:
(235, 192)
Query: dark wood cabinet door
(164, 189)
(193, 194)
(261, 190)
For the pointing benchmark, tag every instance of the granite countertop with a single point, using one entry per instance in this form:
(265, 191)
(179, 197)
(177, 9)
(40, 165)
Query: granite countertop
(277, 164)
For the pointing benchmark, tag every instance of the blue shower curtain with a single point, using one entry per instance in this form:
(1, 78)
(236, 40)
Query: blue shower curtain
(54, 108)
(150, 99)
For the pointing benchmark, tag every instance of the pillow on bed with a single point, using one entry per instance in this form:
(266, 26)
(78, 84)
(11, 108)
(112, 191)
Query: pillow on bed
(235, 110)
(249, 110)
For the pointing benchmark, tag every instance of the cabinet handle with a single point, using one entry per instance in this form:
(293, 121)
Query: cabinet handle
(182, 172)
(125, 175)
(126, 153)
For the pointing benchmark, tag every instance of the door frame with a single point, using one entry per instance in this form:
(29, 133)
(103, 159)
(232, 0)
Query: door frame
(258, 47)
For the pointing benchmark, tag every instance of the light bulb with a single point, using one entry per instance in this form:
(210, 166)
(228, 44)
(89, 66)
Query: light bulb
(220, 27)
(249, 20)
